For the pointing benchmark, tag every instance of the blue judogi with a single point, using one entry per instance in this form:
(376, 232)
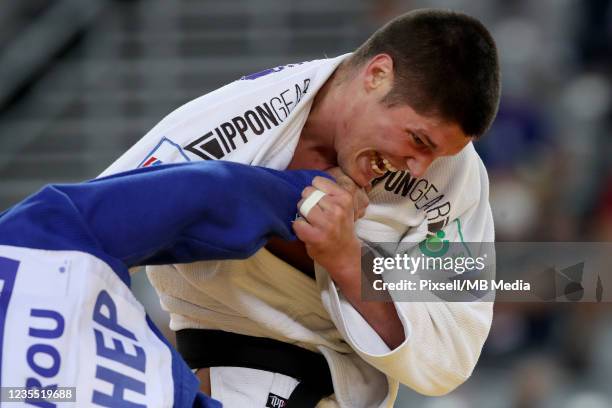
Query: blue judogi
(67, 315)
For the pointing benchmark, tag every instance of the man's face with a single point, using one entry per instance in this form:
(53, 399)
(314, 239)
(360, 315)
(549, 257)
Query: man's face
(373, 138)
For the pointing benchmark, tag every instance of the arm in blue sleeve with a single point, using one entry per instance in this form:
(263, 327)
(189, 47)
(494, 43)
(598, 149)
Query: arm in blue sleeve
(166, 214)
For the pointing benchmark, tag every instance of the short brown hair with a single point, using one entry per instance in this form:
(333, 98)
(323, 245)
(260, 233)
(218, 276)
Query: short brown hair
(445, 63)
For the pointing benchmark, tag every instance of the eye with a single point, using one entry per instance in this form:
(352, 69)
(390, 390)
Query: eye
(417, 139)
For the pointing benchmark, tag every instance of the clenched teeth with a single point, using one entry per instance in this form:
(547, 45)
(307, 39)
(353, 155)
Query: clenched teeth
(389, 166)
(380, 165)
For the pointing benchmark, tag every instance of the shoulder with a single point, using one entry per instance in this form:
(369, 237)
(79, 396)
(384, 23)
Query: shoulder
(288, 83)
(465, 169)
(462, 178)
(224, 121)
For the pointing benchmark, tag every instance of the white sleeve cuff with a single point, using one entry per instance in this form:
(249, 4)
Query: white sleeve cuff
(353, 327)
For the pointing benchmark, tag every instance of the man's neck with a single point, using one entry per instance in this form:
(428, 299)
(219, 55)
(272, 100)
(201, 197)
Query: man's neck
(316, 149)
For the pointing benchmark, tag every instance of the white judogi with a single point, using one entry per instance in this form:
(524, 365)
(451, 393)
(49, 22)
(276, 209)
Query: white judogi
(257, 120)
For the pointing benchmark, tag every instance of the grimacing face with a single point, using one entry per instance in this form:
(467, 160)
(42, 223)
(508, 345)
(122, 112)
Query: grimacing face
(373, 138)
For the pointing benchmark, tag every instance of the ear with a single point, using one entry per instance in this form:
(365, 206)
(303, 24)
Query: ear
(378, 74)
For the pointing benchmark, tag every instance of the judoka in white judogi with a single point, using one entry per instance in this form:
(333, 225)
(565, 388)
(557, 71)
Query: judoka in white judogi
(258, 120)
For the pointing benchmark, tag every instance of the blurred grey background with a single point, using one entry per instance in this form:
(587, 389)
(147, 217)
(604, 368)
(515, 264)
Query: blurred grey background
(82, 80)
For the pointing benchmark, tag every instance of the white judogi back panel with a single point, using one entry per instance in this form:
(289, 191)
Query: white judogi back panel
(70, 320)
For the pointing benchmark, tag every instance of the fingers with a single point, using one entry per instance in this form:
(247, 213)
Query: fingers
(355, 198)
(306, 232)
(308, 191)
(328, 229)
(322, 204)
(320, 215)
(343, 179)
(307, 203)
(333, 193)
(327, 186)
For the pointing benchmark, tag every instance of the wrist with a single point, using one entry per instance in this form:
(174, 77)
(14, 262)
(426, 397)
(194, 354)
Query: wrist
(346, 265)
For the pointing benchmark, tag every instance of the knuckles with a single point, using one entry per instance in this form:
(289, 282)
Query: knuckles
(345, 199)
(338, 211)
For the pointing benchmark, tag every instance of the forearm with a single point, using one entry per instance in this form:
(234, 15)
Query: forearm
(381, 316)
(442, 344)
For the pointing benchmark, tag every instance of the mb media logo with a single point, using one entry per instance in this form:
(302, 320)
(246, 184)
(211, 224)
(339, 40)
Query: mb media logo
(552, 284)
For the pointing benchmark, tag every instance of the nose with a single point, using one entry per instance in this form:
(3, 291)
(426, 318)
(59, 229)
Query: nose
(418, 165)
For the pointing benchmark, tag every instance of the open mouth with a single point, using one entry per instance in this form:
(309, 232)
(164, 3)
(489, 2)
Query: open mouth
(380, 164)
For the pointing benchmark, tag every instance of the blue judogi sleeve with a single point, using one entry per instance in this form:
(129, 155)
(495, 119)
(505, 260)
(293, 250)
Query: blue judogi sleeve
(163, 214)
(65, 251)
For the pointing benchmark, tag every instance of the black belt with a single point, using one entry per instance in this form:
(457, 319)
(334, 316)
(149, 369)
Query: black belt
(216, 348)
